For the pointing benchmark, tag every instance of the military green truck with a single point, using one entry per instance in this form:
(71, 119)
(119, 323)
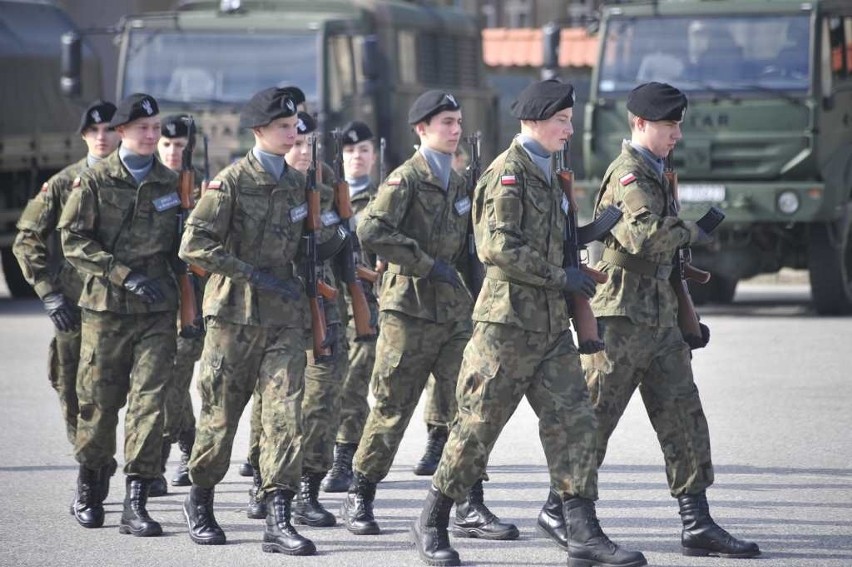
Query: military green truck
(37, 124)
(768, 133)
(361, 59)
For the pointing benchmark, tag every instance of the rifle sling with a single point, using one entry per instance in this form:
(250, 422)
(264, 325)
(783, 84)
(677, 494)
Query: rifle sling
(637, 265)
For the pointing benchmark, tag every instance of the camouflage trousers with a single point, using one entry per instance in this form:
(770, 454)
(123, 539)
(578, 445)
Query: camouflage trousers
(179, 417)
(123, 359)
(657, 361)
(502, 364)
(320, 411)
(407, 350)
(354, 407)
(63, 359)
(237, 361)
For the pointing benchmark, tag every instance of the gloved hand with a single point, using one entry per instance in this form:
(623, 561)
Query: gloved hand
(442, 272)
(699, 342)
(576, 281)
(61, 312)
(143, 286)
(261, 279)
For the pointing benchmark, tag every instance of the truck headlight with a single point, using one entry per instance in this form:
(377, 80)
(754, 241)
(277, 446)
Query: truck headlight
(787, 202)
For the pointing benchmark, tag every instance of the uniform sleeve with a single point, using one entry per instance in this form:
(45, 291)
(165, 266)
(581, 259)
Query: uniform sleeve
(379, 228)
(206, 231)
(500, 238)
(79, 243)
(37, 223)
(640, 231)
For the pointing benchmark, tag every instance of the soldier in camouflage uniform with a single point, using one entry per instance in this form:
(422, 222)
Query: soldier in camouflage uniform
(54, 280)
(245, 231)
(118, 231)
(638, 309)
(323, 379)
(522, 344)
(418, 222)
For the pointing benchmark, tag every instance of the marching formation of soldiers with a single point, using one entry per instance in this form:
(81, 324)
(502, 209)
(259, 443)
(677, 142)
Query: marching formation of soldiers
(269, 240)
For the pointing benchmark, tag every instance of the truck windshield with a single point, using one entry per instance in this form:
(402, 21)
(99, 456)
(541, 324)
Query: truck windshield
(711, 54)
(218, 67)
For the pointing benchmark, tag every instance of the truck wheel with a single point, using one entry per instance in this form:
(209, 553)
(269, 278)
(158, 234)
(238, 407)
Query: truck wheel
(15, 281)
(830, 267)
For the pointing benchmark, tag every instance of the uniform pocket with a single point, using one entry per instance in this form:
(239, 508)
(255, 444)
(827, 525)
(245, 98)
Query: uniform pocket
(211, 380)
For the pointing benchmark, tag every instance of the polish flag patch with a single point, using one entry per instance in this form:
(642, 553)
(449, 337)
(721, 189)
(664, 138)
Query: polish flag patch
(508, 180)
(214, 185)
(76, 183)
(393, 182)
(627, 179)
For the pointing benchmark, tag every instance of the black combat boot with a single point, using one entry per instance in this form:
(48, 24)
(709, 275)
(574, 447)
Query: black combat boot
(551, 523)
(429, 532)
(308, 510)
(340, 477)
(474, 519)
(107, 471)
(280, 536)
(428, 463)
(357, 508)
(88, 506)
(588, 545)
(159, 486)
(198, 511)
(256, 509)
(135, 519)
(246, 469)
(702, 536)
(185, 443)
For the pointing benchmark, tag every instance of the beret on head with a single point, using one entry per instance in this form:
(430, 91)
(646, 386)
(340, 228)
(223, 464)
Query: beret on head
(541, 100)
(269, 104)
(355, 132)
(134, 107)
(306, 123)
(99, 112)
(656, 102)
(429, 104)
(176, 126)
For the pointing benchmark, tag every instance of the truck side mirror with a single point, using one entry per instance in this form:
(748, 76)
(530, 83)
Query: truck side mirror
(551, 33)
(70, 82)
(371, 59)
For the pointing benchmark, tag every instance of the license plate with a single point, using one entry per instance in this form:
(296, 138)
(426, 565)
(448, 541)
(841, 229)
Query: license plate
(701, 193)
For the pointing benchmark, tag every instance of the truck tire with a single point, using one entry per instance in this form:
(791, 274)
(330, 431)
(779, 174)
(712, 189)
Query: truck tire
(830, 267)
(15, 281)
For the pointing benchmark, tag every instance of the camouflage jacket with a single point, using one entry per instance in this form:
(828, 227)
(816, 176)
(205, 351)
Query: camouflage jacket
(37, 245)
(360, 201)
(647, 230)
(247, 220)
(111, 226)
(412, 222)
(519, 228)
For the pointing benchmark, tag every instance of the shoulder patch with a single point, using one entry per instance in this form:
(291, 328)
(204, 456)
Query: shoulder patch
(393, 182)
(627, 179)
(76, 182)
(508, 180)
(215, 185)
(44, 187)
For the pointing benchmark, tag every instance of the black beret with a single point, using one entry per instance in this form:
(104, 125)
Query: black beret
(306, 123)
(657, 101)
(177, 126)
(99, 112)
(429, 104)
(133, 107)
(541, 100)
(269, 104)
(355, 132)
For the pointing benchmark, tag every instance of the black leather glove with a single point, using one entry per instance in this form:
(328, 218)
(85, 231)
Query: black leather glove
(61, 312)
(261, 279)
(699, 342)
(442, 272)
(143, 286)
(576, 281)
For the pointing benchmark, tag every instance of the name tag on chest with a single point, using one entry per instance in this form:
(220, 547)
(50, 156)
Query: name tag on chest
(299, 212)
(166, 202)
(329, 218)
(462, 206)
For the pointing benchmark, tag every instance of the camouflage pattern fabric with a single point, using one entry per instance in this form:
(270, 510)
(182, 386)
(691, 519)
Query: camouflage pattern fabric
(440, 408)
(521, 344)
(124, 358)
(354, 407)
(62, 361)
(238, 360)
(658, 362)
(179, 416)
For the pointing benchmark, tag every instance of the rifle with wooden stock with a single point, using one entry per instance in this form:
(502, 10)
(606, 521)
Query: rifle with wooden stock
(198, 271)
(381, 264)
(352, 270)
(687, 319)
(191, 322)
(476, 271)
